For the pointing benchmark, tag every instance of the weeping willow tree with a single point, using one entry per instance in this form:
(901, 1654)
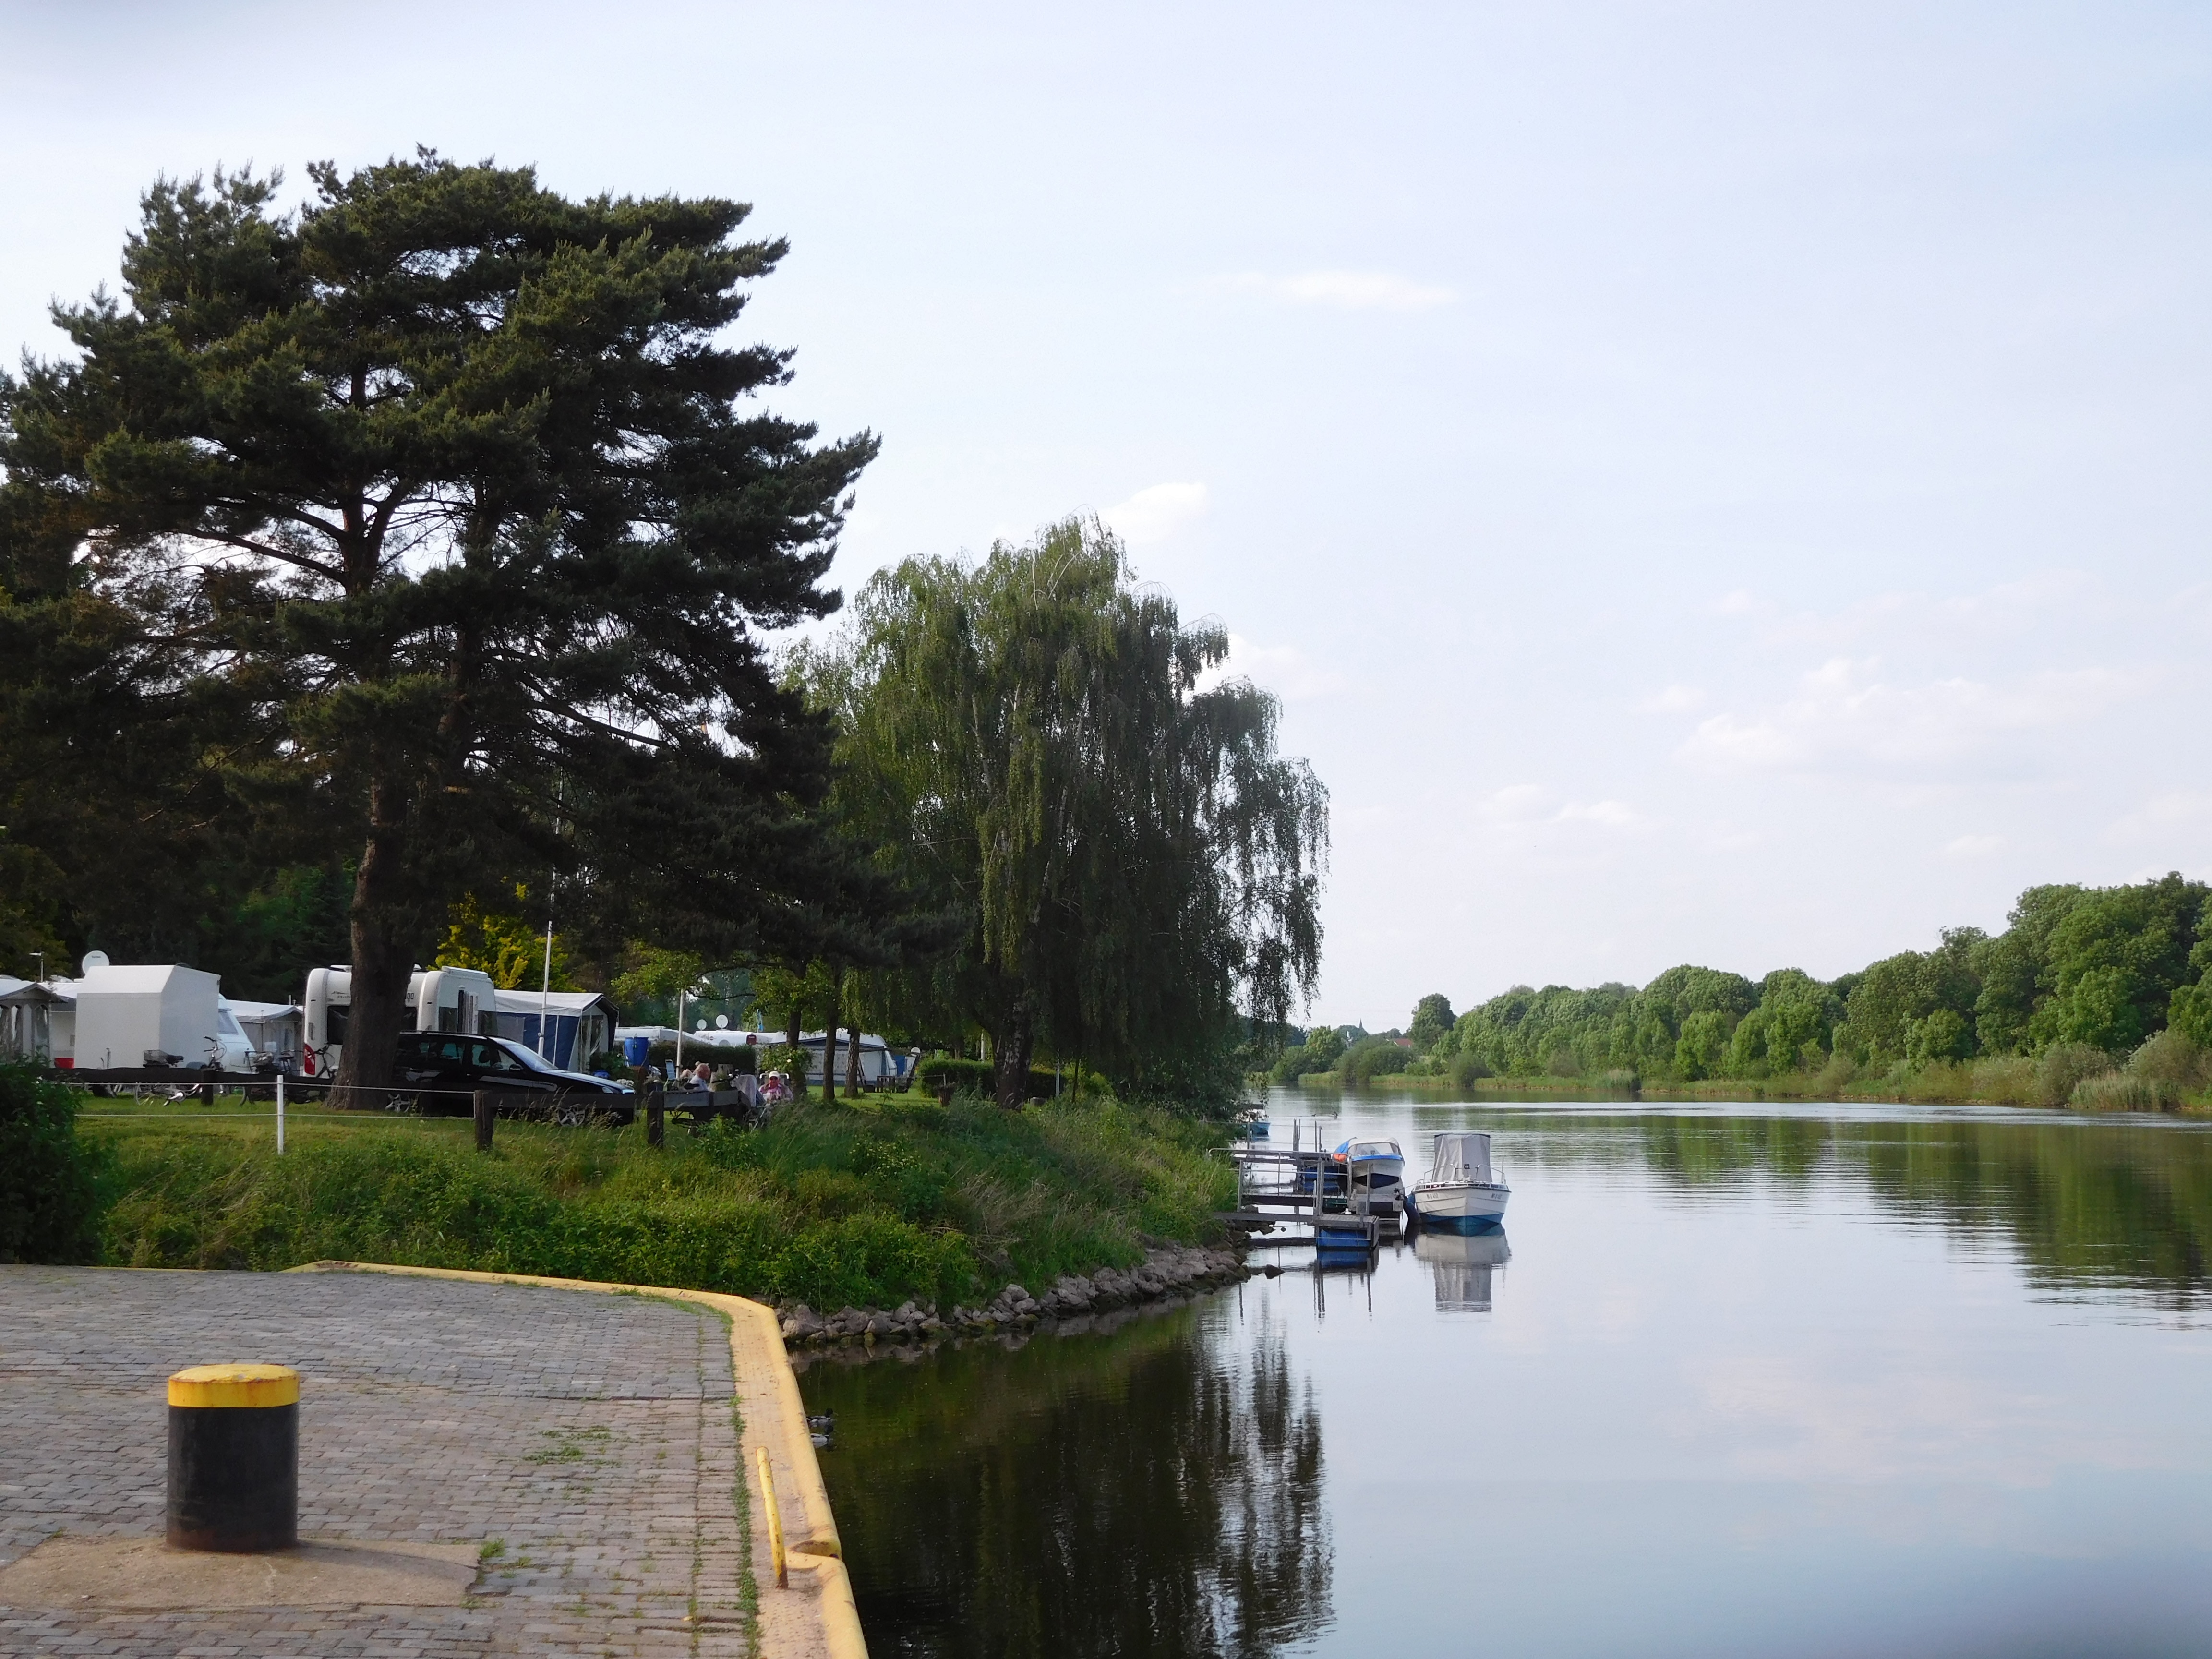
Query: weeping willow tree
(1030, 740)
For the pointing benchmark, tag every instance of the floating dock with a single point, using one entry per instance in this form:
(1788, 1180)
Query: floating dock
(1302, 1191)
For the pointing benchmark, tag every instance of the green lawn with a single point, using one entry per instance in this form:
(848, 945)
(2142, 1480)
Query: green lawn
(866, 1204)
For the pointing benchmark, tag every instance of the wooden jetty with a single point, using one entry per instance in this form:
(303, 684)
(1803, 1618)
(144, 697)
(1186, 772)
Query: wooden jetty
(1303, 1189)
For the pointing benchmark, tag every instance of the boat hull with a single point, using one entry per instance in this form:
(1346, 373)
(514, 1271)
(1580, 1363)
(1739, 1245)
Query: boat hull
(1471, 1207)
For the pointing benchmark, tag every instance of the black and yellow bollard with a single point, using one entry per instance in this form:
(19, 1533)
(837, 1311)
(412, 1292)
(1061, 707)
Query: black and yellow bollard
(234, 1458)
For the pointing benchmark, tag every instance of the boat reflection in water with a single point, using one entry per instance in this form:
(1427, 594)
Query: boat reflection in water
(1460, 1265)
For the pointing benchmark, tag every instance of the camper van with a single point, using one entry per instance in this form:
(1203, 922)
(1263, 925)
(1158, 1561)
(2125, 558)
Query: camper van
(440, 1000)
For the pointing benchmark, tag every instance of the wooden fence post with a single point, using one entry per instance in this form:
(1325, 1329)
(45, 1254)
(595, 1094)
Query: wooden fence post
(485, 1114)
(656, 1123)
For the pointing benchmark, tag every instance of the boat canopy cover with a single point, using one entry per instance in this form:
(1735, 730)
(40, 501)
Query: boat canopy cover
(1368, 1149)
(1462, 1156)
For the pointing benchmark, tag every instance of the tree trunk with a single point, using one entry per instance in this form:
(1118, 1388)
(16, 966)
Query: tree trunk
(853, 1064)
(829, 1040)
(1011, 1050)
(383, 957)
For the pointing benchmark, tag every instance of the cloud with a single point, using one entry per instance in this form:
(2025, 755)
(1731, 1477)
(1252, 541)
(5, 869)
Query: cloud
(1675, 700)
(1282, 669)
(2186, 814)
(1847, 715)
(1346, 290)
(1155, 513)
(2005, 612)
(1532, 802)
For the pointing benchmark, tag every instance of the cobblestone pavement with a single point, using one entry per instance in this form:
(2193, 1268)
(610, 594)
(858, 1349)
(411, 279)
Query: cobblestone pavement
(586, 1441)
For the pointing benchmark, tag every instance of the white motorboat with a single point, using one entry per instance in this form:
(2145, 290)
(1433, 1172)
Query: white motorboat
(1463, 1193)
(1460, 1265)
(1376, 1168)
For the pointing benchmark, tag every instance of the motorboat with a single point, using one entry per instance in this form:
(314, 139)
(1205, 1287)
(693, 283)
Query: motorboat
(1251, 1123)
(1376, 1168)
(1464, 1194)
(1460, 1265)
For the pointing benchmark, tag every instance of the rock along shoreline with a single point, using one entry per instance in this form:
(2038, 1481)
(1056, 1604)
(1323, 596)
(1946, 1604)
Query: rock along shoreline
(1170, 1272)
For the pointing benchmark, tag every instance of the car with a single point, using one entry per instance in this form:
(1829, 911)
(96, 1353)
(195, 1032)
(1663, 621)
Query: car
(442, 1070)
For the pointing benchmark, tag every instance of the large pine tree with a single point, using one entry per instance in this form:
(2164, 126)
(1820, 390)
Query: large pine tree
(458, 489)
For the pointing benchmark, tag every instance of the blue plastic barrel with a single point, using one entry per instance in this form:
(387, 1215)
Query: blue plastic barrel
(637, 1050)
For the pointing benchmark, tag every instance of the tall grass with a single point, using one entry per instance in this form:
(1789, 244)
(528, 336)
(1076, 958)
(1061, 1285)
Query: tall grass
(862, 1204)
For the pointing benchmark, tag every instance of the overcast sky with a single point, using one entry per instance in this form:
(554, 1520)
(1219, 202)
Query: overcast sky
(1721, 483)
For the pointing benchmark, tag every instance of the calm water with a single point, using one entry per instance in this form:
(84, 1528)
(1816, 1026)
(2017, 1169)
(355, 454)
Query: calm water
(1737, 1380)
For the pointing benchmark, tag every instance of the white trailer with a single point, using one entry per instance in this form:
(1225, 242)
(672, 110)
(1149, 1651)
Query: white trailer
(438, 999)
(164, 1015)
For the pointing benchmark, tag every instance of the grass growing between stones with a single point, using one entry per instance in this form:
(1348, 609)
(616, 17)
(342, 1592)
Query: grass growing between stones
(867, 1203)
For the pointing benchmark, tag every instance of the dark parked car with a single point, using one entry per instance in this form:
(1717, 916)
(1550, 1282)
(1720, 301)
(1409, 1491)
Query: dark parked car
(448, 1067)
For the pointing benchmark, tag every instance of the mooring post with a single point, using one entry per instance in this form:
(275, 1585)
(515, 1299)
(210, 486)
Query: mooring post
(656, 1122)
(280, 1114)
(234, 1458)
(775, 1518)
(486, 1115)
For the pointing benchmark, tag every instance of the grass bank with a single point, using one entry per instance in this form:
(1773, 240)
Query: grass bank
(867, 1204)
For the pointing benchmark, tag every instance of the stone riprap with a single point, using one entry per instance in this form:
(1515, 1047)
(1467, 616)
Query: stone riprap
(1163, 1273)
(585, 1442)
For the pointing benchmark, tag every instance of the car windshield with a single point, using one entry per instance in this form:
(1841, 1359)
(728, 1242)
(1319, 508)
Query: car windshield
(527, 1056)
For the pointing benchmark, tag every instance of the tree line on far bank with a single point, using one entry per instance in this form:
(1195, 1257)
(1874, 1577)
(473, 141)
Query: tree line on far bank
(383, 577)
(2082, 982)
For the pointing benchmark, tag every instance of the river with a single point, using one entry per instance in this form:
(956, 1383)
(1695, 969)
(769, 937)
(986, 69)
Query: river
(1735, 1380)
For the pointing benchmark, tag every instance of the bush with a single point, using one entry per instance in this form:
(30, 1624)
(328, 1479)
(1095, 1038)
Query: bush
(2174, 1057)
(2120, 1091)
(1620, 1080)
(1467, 1070)
(1373, 1057)
(2063, 1069)
(1837, 1075)
(976, 1076)
(783, 1057)
(50, 1182)
(2008, 1081)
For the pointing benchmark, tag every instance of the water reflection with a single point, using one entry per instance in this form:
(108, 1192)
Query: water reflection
(2093, 1207)
(1131, 1492)
(1460, 1265)
(1768, 1383)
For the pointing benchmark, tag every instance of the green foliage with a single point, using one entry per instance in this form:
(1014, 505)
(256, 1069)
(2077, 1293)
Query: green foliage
(2176, 1058)
(1373, 1057)
(2121, 1092)
(49, 1179)
(345, 475)
(789, 1059)
(509, 949)
(976, 1076)
(829, 1205)
(2063, 1067)
(651, 973)
(1469, 1069)
(1433, 1022)
(1699, 1049)
(2080, 971)
(1129, 858)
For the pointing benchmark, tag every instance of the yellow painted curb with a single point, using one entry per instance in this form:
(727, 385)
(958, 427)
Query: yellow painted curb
(236, 1385)
(757, 1355)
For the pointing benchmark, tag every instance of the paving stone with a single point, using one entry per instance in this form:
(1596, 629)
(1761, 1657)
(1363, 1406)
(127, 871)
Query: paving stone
(592, 1434)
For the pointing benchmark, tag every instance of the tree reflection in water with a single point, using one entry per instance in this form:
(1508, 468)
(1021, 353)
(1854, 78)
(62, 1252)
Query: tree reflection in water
(2093, 1205)
(1132, 1492)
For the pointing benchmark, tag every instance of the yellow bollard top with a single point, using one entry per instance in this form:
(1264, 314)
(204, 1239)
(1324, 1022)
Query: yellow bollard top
(236, 1385)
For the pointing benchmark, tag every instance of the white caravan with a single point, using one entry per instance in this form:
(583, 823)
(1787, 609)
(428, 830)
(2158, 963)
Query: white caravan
(149, 1015)
(438, 999)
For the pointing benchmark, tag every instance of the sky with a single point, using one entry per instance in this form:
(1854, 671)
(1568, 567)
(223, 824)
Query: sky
(1708, 482)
